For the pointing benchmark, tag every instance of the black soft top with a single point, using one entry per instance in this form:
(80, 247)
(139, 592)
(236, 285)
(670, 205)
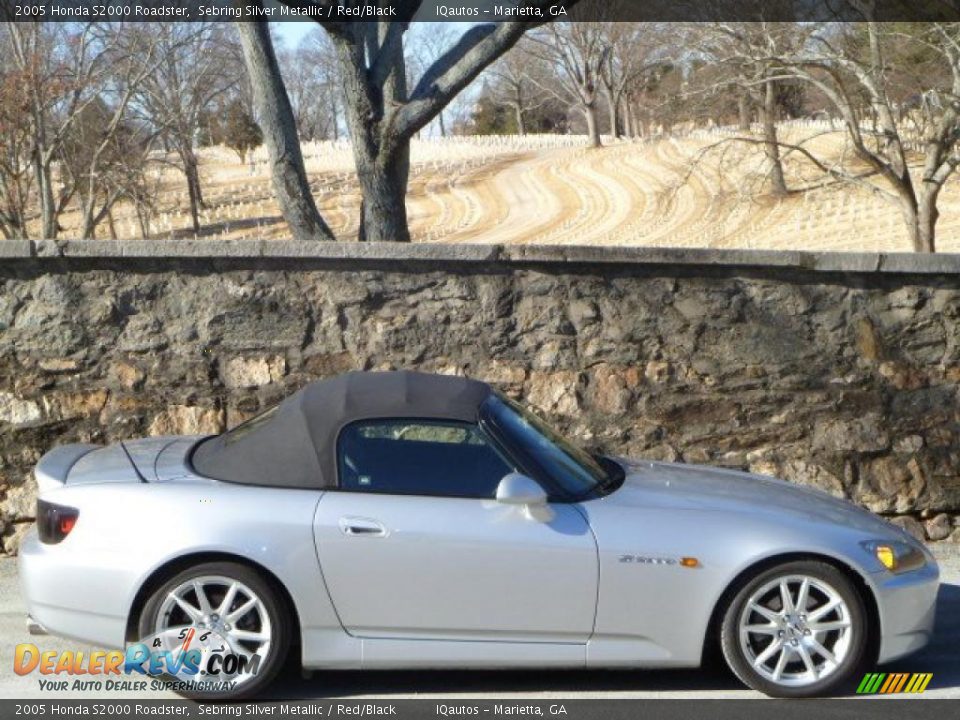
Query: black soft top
(294, 444)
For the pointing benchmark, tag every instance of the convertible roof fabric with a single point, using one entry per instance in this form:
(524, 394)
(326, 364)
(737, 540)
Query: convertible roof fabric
(294, 444)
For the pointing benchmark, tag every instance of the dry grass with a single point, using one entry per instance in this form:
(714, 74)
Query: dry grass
(698, 191)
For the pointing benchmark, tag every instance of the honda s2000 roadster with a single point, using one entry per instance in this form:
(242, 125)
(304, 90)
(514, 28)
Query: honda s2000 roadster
(404, 520)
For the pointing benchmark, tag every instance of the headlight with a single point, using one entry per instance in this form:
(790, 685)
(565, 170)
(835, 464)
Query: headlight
(896, 556)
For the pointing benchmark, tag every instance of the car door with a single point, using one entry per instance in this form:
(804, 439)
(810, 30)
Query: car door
(414, 545)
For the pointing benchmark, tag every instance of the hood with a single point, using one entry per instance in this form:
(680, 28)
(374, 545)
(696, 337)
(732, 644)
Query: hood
(708, 488)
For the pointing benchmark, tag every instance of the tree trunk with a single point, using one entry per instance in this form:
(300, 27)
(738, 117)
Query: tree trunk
(771, 144)
(290, 182)
(111, 225)
(593, 130)
(443, 128)
(48, 212)
(384, 211)
(614, 110)
(192, 172)
(143, 220)
(89, 230)
(521, 122)
(743, 111)
(924, 235)
(335, 115)
(628, 127)
(381, 156)
(639, 126)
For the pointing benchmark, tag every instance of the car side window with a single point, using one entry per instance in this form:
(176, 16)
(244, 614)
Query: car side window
(416, 457)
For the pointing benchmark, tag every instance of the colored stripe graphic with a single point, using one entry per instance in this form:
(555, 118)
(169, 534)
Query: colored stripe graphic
(892, 680)
(888, 684)
(899, 686)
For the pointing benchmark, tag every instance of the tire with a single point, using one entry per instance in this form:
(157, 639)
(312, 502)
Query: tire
(833, 618)
(267, 617)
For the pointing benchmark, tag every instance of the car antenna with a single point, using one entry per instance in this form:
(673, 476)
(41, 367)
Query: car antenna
(135, 468)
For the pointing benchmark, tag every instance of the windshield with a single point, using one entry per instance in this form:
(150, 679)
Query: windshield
(577, 472)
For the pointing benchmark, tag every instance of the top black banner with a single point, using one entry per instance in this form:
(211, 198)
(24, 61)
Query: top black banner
(330, 11)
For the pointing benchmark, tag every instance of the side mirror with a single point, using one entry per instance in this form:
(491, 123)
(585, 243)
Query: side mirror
(518, 489)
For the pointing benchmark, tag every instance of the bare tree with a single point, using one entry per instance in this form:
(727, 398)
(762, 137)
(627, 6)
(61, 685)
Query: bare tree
(740, 51)
(93, 160)
(136, 178)
(175, 97)
(578, 51)
(16, 177)
(383, 114)
(514, 87)
(310, 74)
(633, 52)
(859, 68)
(653, 99)
(65, 73)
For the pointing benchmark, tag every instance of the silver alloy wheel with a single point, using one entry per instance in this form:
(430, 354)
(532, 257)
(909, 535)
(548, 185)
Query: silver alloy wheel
(795, 630)
(224, 605)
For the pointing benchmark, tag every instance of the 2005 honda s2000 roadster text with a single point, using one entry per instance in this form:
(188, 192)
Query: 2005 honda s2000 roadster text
(405, 520)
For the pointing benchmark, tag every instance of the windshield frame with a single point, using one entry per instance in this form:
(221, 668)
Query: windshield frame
(604, 482)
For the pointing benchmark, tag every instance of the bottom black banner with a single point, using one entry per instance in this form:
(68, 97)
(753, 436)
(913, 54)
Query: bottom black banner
(876, 708)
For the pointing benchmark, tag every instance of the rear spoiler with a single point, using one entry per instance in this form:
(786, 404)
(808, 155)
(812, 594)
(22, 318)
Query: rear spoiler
(52, 470)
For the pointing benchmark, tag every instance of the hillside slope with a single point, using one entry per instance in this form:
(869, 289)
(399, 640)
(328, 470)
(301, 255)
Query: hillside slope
(704, 190)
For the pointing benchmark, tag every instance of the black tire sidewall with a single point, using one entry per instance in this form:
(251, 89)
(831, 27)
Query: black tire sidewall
(730, 641)
(275, 607)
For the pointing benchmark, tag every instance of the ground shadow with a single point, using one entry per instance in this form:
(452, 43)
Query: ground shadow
(221, 227)
(942, 655)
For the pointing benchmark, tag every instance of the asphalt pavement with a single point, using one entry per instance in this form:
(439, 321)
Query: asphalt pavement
(941, 657)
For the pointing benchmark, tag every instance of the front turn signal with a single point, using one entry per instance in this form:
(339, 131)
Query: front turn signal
(896, 556)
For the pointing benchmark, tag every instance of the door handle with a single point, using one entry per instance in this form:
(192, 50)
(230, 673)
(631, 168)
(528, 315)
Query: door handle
(359, 526)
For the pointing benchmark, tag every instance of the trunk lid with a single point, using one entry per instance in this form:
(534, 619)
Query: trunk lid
(81, 463)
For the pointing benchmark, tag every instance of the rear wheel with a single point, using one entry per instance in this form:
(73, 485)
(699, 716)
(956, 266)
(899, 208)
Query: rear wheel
(224, 609)
(795, 630)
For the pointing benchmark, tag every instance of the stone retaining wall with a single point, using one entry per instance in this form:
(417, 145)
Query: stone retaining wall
(835, 370)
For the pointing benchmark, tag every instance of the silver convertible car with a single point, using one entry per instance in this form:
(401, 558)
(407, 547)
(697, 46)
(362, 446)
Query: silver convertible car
(406, 520)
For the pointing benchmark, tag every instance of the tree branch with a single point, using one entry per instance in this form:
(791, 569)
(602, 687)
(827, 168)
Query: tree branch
(455, 69)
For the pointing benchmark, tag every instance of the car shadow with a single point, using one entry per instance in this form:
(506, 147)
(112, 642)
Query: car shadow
(939, 658)
(498, 682)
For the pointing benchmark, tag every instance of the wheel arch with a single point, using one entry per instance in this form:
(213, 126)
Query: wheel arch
(711, 641)
(175, 565)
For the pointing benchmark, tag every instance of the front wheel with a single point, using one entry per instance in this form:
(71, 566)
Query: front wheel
(795, 630)
(232, 619)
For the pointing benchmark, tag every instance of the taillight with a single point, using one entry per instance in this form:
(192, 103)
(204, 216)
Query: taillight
(54, 522)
